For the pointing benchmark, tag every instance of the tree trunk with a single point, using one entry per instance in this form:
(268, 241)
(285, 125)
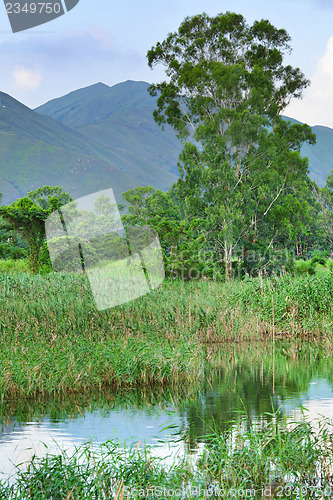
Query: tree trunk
(227, 261)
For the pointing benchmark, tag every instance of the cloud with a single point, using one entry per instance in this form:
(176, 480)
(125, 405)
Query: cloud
(27, 79)
(65, 62)
(316, 108)
(103, 36)
(61, 54)
(73, 47)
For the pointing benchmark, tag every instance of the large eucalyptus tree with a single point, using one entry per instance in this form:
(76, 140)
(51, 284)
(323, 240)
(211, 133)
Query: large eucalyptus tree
(226, 88)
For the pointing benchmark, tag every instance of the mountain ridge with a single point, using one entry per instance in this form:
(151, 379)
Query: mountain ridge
(102, 136)
(320, 155)
(37, 150)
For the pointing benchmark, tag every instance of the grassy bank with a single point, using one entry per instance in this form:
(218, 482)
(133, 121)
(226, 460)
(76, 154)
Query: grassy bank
(257, 460)
(53, 340)
(288, 305)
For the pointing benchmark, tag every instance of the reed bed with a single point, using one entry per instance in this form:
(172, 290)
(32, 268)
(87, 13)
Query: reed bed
(54, 341)
(300, 306)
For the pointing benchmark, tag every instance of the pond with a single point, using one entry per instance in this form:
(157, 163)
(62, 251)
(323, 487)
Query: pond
(237, 378)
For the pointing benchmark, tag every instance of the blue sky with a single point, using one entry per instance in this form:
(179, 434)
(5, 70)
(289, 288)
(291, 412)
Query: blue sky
(107, 41)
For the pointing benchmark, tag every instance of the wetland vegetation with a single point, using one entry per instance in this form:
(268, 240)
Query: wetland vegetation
(171, 343)
(263, 460)
(246, 237)
(235, 409)
(53, 341)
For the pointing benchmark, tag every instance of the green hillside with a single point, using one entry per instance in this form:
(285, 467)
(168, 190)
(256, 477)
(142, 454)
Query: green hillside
(99, 137)
(97, 102)
(115, 143)
(321, 154)
(119, 121)
(37, 150)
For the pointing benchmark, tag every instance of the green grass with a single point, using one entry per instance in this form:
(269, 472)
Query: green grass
(53, 340)
(257, 456)
(292, 305)
(13, 265)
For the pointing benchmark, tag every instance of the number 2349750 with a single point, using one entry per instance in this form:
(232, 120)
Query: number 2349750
(33, 8)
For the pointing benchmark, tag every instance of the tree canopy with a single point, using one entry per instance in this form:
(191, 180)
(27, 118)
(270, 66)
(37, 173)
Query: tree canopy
(227, 86)
(26, 216)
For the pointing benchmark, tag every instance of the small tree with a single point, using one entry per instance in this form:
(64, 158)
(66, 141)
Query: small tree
(27, 217)
(162, 212)
(324, 197)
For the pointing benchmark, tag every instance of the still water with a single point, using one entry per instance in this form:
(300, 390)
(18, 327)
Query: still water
(252, 379)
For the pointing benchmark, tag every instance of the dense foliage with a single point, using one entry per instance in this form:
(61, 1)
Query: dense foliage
(244, 203)
(241, 169)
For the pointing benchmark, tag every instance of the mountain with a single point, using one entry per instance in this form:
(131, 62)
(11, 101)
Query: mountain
(100, 137)
(91, 139)
(37, 150)
(119, 121)
(97, 102)
(320, 155)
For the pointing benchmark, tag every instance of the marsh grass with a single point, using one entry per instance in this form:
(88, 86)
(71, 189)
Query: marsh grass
(301, 306)
(271, 451)
(253, 457)
(53, 340)
(230, 371)
(91, 473)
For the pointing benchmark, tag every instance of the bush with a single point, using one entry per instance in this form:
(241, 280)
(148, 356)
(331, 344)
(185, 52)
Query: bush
(302, 267)
(311, 267)
(13, 265)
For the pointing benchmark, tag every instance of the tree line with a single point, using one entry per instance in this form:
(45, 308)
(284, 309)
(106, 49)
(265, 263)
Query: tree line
(244, 203)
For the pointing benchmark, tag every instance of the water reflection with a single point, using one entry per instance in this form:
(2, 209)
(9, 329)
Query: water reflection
(235, 379)
(19, 445)
(317, 402)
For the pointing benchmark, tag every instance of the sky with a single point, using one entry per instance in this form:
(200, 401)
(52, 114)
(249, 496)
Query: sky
(106, 41)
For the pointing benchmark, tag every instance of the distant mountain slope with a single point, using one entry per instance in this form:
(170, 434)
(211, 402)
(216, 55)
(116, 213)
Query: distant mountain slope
(78, 107)
(19, 119)
(119, 121)
(37, 150)
(97, 102)
(115, 143)
(320, 154)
